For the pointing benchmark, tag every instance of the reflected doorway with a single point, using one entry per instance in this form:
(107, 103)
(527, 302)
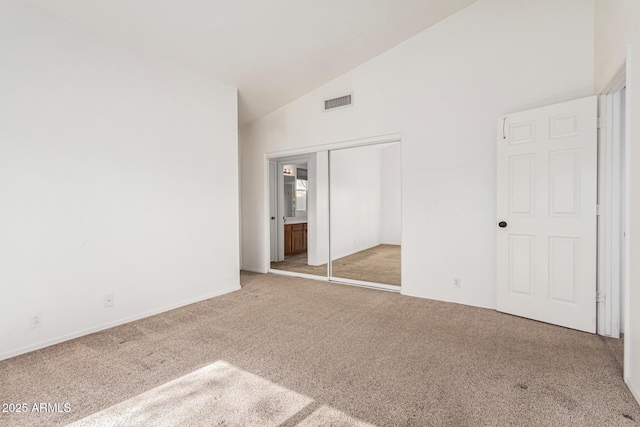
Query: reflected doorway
(299, 214)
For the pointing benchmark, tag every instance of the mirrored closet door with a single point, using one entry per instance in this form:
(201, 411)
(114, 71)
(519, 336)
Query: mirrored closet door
(336, 214)
(299, 214)
(365, 218)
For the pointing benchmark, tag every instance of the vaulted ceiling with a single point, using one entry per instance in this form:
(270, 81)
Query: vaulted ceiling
(273, 51)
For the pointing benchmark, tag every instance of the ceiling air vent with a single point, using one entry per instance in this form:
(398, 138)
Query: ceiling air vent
(339, 102)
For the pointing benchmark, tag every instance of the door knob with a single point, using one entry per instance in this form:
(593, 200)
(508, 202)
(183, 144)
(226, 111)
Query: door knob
(502, 224)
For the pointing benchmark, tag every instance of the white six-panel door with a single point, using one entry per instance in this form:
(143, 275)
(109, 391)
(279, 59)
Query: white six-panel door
(546, 225)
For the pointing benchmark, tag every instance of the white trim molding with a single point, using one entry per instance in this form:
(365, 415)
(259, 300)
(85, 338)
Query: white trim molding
(612, 205)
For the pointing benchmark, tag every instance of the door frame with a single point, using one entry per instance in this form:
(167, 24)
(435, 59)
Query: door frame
(613, 202)
(280, 161)
(273, 210)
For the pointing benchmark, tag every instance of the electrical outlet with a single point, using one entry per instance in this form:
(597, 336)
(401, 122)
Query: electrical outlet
(109, 300)
(36, 320)
(456, 282)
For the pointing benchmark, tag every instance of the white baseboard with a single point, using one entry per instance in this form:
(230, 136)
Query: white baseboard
(634, 389)
(459, 301)
(77, 334)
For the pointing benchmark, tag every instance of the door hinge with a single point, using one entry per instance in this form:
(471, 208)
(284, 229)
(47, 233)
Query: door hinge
(597, 210)
(599, 122)
(599, 298)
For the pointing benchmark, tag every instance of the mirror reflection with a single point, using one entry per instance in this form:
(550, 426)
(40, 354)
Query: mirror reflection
(295, 191)
(366, 222)
(361, 231)
(298, 199)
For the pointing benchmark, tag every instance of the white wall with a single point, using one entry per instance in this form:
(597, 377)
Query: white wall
(118, 174)
(391, 233)
(632, 328)
(618, 24)
(355, 183)
(443, 90)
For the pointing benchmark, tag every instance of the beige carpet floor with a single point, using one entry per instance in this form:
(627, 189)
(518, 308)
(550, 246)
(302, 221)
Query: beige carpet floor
(285, 351)
(380, 264)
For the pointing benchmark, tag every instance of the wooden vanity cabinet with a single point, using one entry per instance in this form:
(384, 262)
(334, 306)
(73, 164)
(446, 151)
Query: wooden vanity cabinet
(295, 238)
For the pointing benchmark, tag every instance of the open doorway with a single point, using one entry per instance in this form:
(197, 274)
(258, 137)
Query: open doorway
(292, 210)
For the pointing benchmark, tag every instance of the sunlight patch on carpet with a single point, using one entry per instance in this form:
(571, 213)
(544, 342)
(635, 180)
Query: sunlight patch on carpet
(217, 394)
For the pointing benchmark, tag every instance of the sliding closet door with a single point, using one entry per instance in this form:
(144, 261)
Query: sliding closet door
(365, 220)
(299, 214)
